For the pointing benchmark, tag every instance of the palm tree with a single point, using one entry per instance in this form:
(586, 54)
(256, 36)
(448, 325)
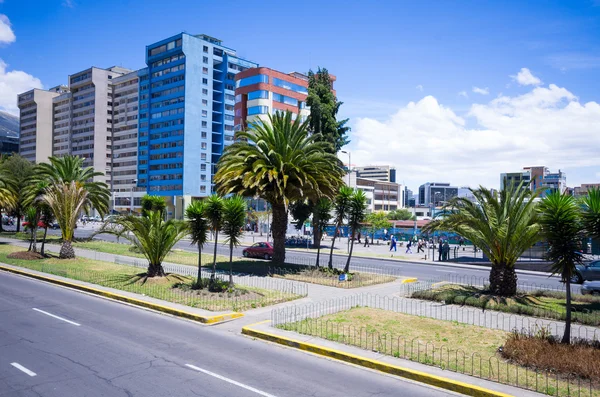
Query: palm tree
(66, 201)
(33, 197)
(591, 213)
(234, 218)
(321, 217)
(356, 215)
(560, 219)
(15, 173)
(153, 203)
(69, 169)
(502, 224)
(214, 214)
(32, 216)
(198, 225)
(341, 207)
(153, 236)
(48, 216)
(278, 160)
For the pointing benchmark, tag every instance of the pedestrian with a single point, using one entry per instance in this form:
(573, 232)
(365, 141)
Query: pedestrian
(420, 246)
(385, 235)
(440, 249)
(446, 250)
(408, 247)
(393, 243)
(359, 237)
(367, 240)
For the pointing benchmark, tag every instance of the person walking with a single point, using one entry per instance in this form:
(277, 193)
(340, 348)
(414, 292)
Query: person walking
(408, 247)
(393, 243)
(420, 247)
(446, 250)
(440, 250)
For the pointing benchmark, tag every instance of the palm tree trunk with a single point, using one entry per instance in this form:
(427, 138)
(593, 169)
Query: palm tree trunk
(18, 216)
(330, 264)
(34, 248)
(66, 250)
(316, 229)
(231, 264)
(31, 241)
(214, 267)
(318, 248)
(44, 240)
(567, 335)
(279, 228)
(199, 279)
(347, 267)
(155, 270)
(503, 280)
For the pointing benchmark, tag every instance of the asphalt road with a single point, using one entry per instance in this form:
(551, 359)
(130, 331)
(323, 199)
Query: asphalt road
(420, 270)
(58, 342)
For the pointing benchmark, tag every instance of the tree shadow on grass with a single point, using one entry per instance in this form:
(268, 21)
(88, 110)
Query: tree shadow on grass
(142, 278)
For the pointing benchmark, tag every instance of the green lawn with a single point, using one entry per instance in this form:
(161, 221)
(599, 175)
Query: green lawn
(450, 345)
(129, 279)
(544, 304)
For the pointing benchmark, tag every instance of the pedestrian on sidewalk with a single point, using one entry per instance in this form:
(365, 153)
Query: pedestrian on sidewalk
(440, 250)
(359, 237)
(393, 243)
(446, 250)
(420, 246)
(408, 246)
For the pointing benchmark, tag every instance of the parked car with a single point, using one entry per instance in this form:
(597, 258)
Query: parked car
(591, 288)
(54, 225)
(259, 250)
(586, 272)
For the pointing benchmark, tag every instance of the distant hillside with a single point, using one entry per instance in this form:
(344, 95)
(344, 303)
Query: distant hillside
(9, 125)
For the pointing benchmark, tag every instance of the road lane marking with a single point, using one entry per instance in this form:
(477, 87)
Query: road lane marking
(57, 317)
(22, 368)
(233, 382)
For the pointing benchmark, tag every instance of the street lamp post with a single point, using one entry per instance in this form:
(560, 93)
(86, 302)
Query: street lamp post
(349, 164)
(131, 198)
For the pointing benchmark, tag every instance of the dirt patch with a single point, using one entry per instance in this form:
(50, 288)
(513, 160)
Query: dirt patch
(25, 255)
(325, 276)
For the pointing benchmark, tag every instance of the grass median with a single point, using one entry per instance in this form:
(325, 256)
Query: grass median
(453, 346)
(543, 304)
(173, 288)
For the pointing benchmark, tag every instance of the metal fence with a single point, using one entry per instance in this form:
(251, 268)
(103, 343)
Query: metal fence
(307, 320)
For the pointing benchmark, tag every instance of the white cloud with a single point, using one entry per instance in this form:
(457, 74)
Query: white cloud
(12, 83)
(68, 3)
(6, 33)
(463, 94)
(428, 141)
(525, 77)
(482, 91)
(419, 87)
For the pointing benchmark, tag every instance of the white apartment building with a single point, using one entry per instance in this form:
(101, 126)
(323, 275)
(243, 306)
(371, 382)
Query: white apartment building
(379, 172)
(381, 195)
(35, 138)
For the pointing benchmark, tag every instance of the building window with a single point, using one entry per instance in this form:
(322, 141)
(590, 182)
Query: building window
(258, 110)
(204, 70)
(204, 91)
(202, 156)
(203, 188)
(204, 113)
(204, 124)
(203, 134)
(205, 49)
(259, 78)
(285, 99)
(260, 94)
(290, 86)
(205, 81)
(203, 145)
(205, 102)
(202, 167)
(205, 59)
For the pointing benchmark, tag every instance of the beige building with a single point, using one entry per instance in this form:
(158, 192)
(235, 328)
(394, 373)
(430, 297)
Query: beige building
(384, 173)
(35, 138)
(381, 195)
(584, 188)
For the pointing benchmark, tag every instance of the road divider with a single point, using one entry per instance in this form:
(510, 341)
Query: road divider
(408, 373)
(122, 298)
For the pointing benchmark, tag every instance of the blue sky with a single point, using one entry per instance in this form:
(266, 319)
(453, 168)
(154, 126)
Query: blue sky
(386, 54)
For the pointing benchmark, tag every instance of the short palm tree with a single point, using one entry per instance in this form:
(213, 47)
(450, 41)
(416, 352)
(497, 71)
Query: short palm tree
(560, 218)
(214, 214)
(33, 197)
(321, 218)
(234, 218)
(280, 161)
(32, 217)
(66, 200)
(591, 213)
(502, 224)
(341, 206)
(48, 217)
(356, 215)
(153, 203)
(198, 226)
(152, 236)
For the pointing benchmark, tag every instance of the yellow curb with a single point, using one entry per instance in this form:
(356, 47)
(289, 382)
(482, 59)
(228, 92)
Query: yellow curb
(133, 301)
(423, 377)
(440, 283)
(409, 280)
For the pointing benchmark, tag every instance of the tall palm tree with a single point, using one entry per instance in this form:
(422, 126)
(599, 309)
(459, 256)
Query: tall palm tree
(48, 216)
(278, 160)
(33, 197)
(15, 173)
(321, 217)
(356, 216)
(341, 207)
(198, 225)
(69, 169)
(234, 218)
(502, 224)
(560, 218)
(153, 203)
(214, 214)
(66, 201)
(591, 213)
(153, 236)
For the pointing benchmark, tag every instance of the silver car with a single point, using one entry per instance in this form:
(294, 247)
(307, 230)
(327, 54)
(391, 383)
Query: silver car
(588, 272)
(591, 288)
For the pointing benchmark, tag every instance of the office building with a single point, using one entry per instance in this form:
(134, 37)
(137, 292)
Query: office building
(36, 119)
(435, 194)
(536, 178)
(261, 91)
(379, 172)
(408, 195)
(515, 178)
(465, 192)
(187, 94)
(583, 190)
(381, 195)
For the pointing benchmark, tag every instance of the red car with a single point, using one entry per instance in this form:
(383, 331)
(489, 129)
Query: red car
(259, 250)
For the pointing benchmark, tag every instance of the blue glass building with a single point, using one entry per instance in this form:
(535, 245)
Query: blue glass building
(186, 115)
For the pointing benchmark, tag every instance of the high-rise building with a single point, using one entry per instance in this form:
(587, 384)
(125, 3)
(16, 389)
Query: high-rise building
(35, 117)
(380, 172)
(187, 94)
(436, 194)
(261, 91)
(536, 178)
